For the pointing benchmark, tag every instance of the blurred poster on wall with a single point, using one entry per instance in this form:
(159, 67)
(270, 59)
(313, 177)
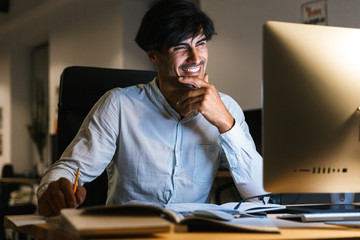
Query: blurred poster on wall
(314, 12)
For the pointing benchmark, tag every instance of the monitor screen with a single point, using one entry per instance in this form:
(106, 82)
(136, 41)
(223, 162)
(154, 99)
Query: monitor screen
(311, 108)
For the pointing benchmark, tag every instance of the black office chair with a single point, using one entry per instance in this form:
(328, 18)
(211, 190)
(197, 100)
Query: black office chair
(253, 119)
(80, 88)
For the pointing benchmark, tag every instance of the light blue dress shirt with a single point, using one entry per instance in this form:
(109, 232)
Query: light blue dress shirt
(153, 155)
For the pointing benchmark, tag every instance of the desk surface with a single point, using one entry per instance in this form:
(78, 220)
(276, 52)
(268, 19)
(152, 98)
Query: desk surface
(45, 231)
(20, 180)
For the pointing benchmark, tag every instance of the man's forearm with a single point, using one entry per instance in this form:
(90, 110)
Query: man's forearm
(245, 163)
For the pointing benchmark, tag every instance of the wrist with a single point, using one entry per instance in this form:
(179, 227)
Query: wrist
(227, 126)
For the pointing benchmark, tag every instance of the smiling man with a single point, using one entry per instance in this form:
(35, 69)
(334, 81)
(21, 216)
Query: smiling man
(163, 141)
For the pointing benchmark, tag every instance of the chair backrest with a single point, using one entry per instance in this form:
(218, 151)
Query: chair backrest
(253, 118)
(80, 88)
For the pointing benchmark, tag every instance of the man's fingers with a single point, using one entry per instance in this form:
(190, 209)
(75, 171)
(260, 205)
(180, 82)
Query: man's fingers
(191, 104)
(57, 199)
(80, 195)
(59, 195)
(194, 107)
(194, 81)
(67, 191)
(206, 78)
(195, 99)
(56, 196)
(49, 203)
(53, 205)
(44, 206)
(194, 95)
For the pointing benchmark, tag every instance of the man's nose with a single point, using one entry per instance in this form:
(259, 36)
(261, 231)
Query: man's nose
(194, 56)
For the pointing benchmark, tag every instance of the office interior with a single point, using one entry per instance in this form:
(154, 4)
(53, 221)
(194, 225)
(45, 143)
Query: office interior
(39, 38)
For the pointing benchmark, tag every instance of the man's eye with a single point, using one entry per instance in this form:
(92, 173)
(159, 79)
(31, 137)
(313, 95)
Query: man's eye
(179, 48)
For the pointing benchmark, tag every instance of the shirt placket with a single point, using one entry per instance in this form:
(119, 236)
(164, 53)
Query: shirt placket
(177, 159)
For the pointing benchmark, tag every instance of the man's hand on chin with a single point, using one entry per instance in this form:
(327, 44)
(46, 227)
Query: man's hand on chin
(203, 97)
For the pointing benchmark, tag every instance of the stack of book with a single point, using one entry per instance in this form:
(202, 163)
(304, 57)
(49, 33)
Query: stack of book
(143, 218)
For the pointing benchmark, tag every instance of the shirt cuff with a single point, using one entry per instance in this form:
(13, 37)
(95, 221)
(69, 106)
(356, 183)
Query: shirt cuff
(236, 140)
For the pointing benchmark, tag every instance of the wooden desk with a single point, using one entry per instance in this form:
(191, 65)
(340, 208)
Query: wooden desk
(20, 181)
(45, 231)
(39, 231)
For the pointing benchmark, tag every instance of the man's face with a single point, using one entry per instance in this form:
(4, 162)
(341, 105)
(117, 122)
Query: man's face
(188, 58)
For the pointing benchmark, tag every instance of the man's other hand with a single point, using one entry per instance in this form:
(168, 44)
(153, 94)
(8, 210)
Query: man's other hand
(59, 195)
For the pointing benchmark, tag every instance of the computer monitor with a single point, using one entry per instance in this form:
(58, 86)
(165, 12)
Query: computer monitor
(311, 108)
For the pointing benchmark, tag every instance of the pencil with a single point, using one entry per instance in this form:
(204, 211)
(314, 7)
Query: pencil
(76, 180)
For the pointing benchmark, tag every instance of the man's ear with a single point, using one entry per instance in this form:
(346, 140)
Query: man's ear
(153, 56)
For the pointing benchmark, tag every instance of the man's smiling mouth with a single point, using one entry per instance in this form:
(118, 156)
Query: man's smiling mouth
(191, 69)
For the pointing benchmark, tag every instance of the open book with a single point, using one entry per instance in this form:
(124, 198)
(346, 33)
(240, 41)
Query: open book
(139, 217)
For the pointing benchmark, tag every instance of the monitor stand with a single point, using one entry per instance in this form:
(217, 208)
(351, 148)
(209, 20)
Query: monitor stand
(340, 202)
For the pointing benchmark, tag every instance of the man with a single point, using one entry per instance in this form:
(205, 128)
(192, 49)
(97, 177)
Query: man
(163, 141)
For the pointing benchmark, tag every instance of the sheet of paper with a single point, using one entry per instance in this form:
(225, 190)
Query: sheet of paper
(23, 220)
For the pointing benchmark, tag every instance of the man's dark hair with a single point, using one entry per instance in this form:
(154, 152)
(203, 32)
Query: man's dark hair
(168, 22)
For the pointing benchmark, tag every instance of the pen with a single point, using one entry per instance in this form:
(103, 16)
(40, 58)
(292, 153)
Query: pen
(76, 180)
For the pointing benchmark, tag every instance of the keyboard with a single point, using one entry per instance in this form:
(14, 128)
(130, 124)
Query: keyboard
(322, 217)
